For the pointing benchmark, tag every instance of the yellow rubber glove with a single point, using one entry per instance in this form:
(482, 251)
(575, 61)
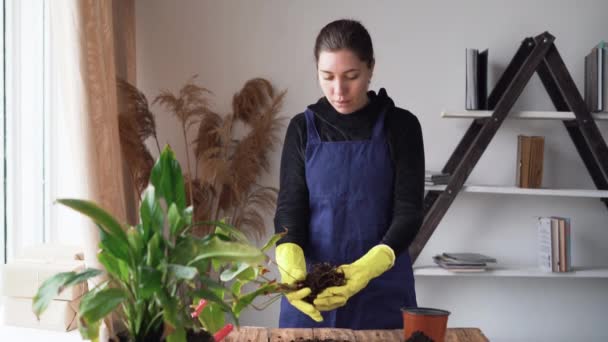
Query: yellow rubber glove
(375, 262)
(292, 266)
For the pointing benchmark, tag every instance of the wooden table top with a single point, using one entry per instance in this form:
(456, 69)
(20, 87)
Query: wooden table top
(259, 334)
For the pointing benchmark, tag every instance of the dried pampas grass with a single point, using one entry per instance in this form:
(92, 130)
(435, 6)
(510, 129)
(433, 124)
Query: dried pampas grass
(226, 169)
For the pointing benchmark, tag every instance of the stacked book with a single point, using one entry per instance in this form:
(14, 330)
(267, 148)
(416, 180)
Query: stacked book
(554, 244)
(530, 157)
(22, 277)
(435, 177)
(463, 262)
(596, 78)
(476, 79)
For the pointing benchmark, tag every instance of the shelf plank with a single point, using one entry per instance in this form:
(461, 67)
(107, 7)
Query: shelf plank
(535, 115)
(513, 190)
(505, 271)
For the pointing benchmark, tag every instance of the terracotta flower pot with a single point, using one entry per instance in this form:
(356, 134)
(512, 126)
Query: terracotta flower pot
(430, 322)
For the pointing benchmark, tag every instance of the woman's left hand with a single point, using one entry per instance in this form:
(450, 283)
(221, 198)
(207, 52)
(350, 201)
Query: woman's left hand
(358, 274)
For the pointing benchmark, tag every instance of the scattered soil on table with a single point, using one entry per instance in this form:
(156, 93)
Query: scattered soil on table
(320, 277)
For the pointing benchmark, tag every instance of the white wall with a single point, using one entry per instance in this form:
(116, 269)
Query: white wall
(420, 60)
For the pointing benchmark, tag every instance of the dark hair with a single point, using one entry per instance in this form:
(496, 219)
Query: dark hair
(346, 34)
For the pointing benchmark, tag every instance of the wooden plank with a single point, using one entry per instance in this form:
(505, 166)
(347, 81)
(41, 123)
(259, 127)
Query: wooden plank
(465, 335)
(289, 335)
(248, 334)
(378, 335)
(334, 333)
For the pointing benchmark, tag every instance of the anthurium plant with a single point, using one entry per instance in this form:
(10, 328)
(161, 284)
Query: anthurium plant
(161, 282)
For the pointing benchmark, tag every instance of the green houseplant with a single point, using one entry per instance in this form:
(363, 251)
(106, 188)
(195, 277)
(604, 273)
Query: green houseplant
(161, 282)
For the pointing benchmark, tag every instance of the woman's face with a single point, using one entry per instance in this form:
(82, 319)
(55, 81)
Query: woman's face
(344, 79)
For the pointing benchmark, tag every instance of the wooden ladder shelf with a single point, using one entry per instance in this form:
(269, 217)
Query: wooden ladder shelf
(540, 55)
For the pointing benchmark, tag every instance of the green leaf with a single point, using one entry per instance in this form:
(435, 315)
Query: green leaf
(211, 296)
(176, 224)
(100, 303)
(107, 222)
(115, 267)
(236, 287)
(248, 274)
(187, 215)
(247, 299)
(155, 251)
(212, 284)
(111, 244)
(151, 214)
(182, 272)
(53, 286)
(151, 281)
(178, 335)
(136, 242)
(236, 269)
(273, 240)
(228, 252)
(212, 317)
(89, 331)
(235, 234)
(169, 305)
(167, 178)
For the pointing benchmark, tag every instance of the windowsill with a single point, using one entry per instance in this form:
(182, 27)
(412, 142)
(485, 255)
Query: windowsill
(29, 334)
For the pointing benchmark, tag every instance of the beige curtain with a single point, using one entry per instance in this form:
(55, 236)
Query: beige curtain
(91, 43)
(102, 55)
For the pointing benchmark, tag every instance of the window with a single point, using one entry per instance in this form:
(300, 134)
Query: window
(25, 119)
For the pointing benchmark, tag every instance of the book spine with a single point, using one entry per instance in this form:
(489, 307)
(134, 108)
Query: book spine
(555, 244)
(544, 244)
(536, 161)
(524, 180)
(568, 246)
(482, 80)
(562, 245)
(600, 79)
(470, 87)
(594, 82)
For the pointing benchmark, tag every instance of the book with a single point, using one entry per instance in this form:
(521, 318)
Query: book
(562, 245)
(603, 76)
(530, 159)
(458, 266)
(545, 259)
(523, 161)
(476, 87)
(436, 177)
(593, 79)
(469, 257)
(568, 246)
(600, 77)
(535, 176)
(555, 261)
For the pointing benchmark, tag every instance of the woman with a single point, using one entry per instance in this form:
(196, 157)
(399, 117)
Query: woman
(351, 190)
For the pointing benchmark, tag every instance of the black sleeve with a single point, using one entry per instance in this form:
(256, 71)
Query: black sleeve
(293, 208)
(407, 149)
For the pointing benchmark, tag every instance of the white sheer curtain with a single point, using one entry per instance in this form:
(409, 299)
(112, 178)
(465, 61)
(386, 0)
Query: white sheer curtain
(69, 127)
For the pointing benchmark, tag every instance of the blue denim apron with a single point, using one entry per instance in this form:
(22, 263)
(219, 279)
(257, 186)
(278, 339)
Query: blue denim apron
(351, 185)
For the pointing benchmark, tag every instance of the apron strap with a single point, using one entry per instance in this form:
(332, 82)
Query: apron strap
(378, 131)
(311, 129)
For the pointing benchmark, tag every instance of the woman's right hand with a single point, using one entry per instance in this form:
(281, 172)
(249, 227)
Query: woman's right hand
(292, 266)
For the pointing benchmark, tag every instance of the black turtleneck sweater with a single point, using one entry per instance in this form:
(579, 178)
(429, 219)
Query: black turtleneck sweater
(406, 149)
